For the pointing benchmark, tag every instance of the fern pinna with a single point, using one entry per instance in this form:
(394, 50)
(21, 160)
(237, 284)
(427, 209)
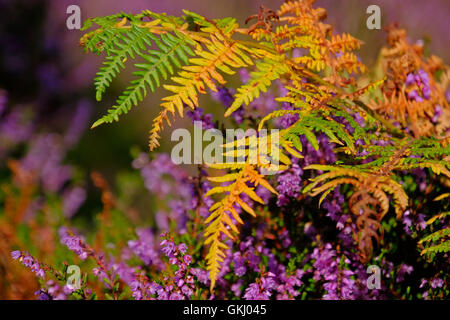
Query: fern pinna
(319, 70)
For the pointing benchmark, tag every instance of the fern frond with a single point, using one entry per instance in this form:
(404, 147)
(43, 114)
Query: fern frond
(267, 71)
(438, 241)
(220, 220)
(174, 50)
(370, 181)
(344, 42)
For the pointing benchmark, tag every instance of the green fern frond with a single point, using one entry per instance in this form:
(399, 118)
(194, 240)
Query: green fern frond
(438, 241)
(174, 50)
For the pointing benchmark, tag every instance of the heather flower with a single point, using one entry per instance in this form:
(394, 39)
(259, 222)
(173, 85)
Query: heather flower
(15, 128)
(437, 283)
(74, 243)
(187, 259)
(198, 117)
(414, 96)
(79, 122)
(28, 261)
(45, 159)
(182, 248)
(402, 271)
(261, 290)
(237, 288)
(288, 119)
(244, 74)
(16, 254)
(201, 275)
(410, 79)
(167, 247)
(143, 247)
(289, 185)
(224, 96)
(239, 264)
(409, 220)
(72, 200)
(437, 113)
(285, 239)
(42, 295)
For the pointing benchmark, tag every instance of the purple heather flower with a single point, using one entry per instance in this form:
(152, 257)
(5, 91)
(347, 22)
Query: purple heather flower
(197, 117)
(144, 246)
(224, 95)
(200, 274)
(16, 254)
(423, 77)
(74, 243)
(437, 283)
(437, 113)
(261, 291)
(237, 288)
(426, 92)
(409, 79)
(182, 248)
(168, 181)
(187, 291)
(414, 96)
(29, 262)
(72, 200)
(288, 119)
(15, 128)
(79, 122)
(45, 159)
(404, 269)
(289, 185)
(187, 259)
(42, 295)
(168, 247)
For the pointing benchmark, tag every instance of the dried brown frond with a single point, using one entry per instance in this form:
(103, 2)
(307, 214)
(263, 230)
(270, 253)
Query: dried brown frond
(407, 103)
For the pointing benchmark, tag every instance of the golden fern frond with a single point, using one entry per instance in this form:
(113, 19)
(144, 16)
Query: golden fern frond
(220, 219)
(267, 71)
(344, 42)
(349, 62)
(243, 181)
(202, 72)
(158, 125)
